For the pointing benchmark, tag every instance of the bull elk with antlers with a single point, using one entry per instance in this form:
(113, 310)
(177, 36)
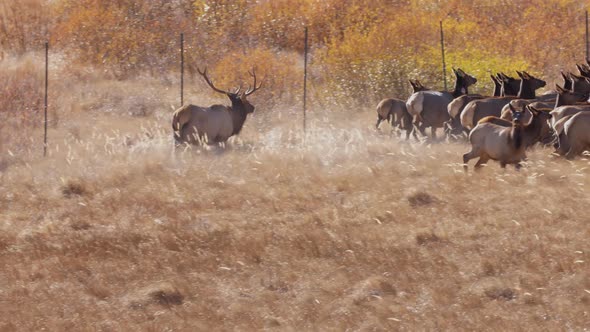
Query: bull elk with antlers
(214, 124)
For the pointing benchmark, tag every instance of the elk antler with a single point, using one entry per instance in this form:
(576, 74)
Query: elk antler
(238, 89)
(254, 88)
(204, 74)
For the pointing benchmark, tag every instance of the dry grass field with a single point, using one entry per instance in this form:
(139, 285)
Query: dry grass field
(344, 228)
(350, 230)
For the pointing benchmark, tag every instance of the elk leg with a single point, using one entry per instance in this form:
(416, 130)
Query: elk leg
(502, 164)
(415, 131)
(474, 153)
(573, 152)
(379, 119)
(483, 159)
(423, 129)
(396, 125)
(447, 129)
(433, 132)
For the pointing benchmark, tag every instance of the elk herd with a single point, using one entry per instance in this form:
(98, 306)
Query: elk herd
(499, 127)
(504, 125)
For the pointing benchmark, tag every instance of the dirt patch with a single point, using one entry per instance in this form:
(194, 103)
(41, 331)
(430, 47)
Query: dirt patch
(163, 294)
(74, 188)
(427, 238)
(421, 198)
(500, 293)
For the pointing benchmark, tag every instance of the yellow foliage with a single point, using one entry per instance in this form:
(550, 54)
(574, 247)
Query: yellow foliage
(360, 49)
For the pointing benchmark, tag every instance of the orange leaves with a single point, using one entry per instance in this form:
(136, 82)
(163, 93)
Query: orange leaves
(391, 40)
(279, 72)
(23, 25)
(126, 37)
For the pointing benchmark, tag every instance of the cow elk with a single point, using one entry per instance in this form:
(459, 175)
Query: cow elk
(479, 109)
(394, 111)
(429, 108)
(504, 144)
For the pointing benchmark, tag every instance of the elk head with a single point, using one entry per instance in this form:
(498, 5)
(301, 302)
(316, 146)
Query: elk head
(237, 96)
(583, 69)
(567, 81)
(468, 80)
(510, 85)
(416, 86)
(535, 82)
(567, 97)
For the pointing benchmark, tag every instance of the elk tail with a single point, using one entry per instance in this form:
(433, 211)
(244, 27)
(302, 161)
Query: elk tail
(179, 120)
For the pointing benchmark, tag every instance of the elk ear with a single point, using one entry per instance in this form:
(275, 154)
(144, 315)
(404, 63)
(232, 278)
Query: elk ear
(512, 109)
(532, 110)
(564, 76)
(559, 89)
(526, 75)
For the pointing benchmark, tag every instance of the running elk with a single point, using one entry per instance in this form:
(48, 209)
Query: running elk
(504, 144)
(395, 112)
(429, 108)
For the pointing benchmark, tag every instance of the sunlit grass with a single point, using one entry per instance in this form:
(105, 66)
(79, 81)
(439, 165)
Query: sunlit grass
(348, 228)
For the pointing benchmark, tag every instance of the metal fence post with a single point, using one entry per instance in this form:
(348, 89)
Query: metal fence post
(181, 69)
(305, 82)
(45, 105)
(586, 45)
(442, 48)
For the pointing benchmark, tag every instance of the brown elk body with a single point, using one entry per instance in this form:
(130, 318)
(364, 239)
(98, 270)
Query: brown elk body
(429, 108)
(540, 115)
(455, 107)
(564, 98)
(577, 135)
(561, 144)
(478, 109)
(395, 111)
(504, 144)
(214, 124)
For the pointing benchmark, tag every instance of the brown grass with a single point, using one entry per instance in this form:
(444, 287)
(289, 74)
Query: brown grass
(351, 230)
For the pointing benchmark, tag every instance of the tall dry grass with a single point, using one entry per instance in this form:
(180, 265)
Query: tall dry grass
(21, 102)
(350, 230)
